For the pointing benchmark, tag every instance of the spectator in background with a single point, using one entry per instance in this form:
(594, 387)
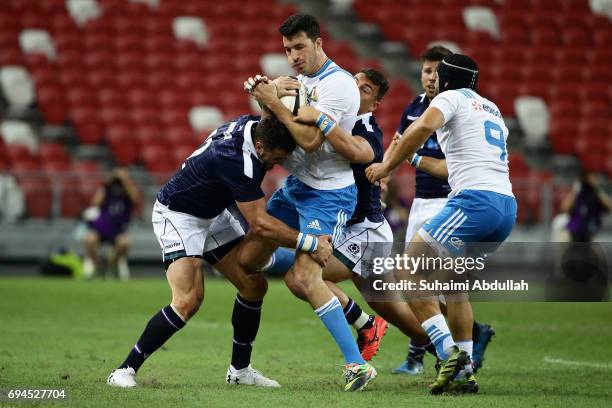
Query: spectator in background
(109, 217)
(585, 205)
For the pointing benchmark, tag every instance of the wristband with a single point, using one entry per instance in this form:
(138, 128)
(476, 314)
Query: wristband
(415, 161)
(306, 242)
(325, 124)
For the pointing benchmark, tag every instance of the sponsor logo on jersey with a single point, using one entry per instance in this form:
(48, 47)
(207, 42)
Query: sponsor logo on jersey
(172, 245)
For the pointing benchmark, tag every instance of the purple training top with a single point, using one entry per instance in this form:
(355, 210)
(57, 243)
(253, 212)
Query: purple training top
(115, 213)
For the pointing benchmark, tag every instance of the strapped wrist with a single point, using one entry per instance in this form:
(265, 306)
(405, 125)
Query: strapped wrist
(306, 243)
(325, 124)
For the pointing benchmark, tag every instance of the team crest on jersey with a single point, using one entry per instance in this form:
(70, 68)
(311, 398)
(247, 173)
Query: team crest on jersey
(354, 249)
(312, 95)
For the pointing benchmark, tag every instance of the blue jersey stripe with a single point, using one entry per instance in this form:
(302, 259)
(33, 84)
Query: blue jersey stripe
(322, 69)
(331, 71)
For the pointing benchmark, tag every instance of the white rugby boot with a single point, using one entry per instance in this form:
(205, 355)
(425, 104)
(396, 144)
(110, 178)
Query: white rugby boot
(122, 377)
(249, 376)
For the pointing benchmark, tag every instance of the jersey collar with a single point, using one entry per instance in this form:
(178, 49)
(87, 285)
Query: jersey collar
(322, 69)
(247, 145)
(364, 116)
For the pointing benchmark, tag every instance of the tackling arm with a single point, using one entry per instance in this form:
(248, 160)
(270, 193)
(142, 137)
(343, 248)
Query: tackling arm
(275, 230)
(308, 137)
(354, 148)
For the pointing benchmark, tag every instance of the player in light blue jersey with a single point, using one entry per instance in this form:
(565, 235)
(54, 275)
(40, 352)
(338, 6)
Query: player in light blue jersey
(481, 206)
(320, 195)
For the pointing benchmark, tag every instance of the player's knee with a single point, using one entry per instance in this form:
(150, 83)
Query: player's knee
(187, 305)
(255, 287)
(296, 286)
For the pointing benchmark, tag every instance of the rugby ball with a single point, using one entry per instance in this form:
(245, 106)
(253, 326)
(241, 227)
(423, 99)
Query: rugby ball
(295, 102)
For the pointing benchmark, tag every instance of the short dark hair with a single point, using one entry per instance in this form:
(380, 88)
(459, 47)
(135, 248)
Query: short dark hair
(273, 134)
(300, 22)
(435, 53)
(378, 79)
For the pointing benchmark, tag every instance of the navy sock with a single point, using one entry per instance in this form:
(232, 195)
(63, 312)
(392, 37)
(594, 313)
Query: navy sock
(160, 328)
(356, 317)
(475, 330)
(352, 311)
(245, 319)
(417, 350)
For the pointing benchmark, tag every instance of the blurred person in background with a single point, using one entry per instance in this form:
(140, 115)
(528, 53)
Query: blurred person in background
(108, 219)
(585, 206)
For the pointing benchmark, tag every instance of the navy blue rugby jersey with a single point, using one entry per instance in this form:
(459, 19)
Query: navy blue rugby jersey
(368, 194)
(224, 169)
(426, 185)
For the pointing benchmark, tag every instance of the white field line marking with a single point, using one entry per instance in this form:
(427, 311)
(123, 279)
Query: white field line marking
(552, 360)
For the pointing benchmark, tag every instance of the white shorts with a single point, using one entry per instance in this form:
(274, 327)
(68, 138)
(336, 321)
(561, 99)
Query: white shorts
(180, 234)
(355, 244)
(422, 210)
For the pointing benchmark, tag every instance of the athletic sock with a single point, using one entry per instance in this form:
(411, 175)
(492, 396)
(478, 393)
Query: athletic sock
(475, 330)
(439, 334)
(159, 329)
(245, 319)
(468, 347)
(280, 262)
(356, 317)
(416, 350)
(331, 315)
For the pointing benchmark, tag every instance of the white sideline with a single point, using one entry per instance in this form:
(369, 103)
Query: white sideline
(552, 360)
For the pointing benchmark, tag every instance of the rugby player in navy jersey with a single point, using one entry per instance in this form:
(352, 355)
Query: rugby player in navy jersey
(193, 225)
(431, 195)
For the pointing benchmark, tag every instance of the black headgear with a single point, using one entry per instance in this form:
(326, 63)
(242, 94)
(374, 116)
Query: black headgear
(457, 71)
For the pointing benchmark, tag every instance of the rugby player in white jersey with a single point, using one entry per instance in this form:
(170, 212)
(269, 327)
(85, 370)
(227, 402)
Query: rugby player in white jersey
(481, 206)
(320, 195)
(431, 192)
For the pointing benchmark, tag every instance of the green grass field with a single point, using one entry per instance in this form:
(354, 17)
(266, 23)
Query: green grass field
(70, 334)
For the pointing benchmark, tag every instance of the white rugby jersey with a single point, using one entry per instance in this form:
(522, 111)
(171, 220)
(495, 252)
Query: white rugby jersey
(473, 140)
(333, 91)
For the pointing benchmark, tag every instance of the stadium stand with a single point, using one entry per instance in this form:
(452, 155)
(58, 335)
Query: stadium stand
(138, 77)
(544, 49)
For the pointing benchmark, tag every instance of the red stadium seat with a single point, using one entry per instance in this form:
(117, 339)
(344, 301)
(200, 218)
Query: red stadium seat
(576, 36)
(126, 153)
(79, 96)
(52, 104)
(53, 152)
(111, 97)
(38, 195)
(546, 36)
(87, 125)
(149, 134)
(72, 201)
